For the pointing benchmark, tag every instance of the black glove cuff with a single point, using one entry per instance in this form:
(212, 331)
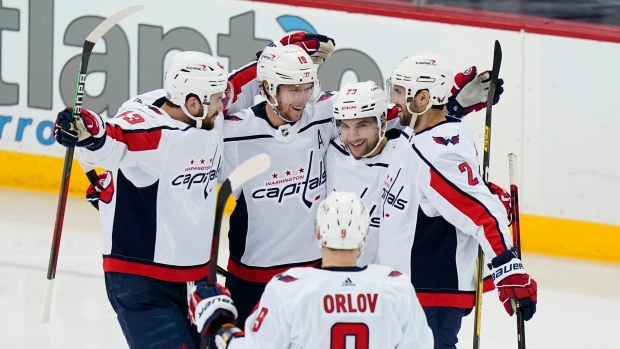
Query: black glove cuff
(96, 144)
(504, 258)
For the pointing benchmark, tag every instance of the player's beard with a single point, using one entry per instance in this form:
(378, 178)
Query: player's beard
(405, 120)
(208, 123)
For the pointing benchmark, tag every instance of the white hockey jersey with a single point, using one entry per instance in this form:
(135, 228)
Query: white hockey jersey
(374, 306)
(362, 176)
(272, 226)
(436, 210)
(164, 177)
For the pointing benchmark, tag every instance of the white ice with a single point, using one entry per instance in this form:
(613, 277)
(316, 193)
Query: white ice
(578, 306)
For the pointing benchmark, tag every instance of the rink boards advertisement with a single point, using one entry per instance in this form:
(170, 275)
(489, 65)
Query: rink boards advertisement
(555, 115)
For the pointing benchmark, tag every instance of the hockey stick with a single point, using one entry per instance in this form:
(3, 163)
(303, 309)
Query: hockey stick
(497, 61)
(89, 44)
(516, 240)
(246, 171)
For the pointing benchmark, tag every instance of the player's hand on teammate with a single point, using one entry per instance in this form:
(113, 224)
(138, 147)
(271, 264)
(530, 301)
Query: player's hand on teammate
(504, 198)
(513, 282)
(318, 47)
(210, 307)
(103, 190)
(87, 130)
(470, 92)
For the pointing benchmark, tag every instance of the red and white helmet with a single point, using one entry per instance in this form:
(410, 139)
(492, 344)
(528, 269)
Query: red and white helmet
(285, 65)
(342, 220)
(195, 73)
(424, 71)
(360, 100)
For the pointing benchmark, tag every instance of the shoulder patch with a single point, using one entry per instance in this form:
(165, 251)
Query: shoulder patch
(286, 278)
(446, 140)
(232, 118)
(325, 96)
(395, 273)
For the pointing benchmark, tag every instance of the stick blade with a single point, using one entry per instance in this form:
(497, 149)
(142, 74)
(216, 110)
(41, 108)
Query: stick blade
(47, 303)
(250, 168)
(111, 21)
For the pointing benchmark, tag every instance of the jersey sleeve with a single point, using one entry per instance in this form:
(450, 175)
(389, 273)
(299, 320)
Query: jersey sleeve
(127, 145)
(416, 333)
(268, 326)
(245, 86)
(453, 187)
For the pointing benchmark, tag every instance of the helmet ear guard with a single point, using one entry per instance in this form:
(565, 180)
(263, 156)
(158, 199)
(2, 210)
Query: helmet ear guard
(342, 220)
(199, 74)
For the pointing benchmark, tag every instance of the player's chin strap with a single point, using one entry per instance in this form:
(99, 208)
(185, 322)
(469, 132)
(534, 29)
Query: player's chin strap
(195, 118)
(381, 136)
(414, 116)
(273, 105)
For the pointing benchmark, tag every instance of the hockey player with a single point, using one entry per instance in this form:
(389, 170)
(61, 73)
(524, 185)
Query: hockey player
(437, 209)
(271, 227)
(356, 160)
(162, 164)
(375, 306)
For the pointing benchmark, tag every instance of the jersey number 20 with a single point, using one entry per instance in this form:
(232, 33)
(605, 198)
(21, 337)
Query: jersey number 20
(341, 330)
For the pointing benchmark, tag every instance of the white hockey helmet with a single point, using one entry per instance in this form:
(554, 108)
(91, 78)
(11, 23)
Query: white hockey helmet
(343, 220)
(285, 65)
(360, 100)
(195, 73)
(424, 71)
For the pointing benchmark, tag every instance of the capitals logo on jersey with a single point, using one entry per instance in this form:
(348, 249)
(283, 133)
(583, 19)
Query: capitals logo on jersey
(392, 193)
(447, 140)
(375, 219)
(304, 181)
(200, 171)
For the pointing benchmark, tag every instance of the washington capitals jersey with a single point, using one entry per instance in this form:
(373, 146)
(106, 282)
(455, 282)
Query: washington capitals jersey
(436, 210)
(362, 176)
(374, 306)
(164, 177)
(272, 226)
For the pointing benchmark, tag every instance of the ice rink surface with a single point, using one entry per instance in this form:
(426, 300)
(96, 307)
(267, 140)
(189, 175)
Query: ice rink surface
(579, 302)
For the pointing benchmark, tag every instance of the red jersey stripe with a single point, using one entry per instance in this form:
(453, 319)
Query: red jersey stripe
(261, 275)
(135, 140)
(158, 272)
(472, 208)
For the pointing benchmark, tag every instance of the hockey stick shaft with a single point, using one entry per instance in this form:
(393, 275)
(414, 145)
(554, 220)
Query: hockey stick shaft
(246, 171)
(89, 44)
(516, 240)
(497, 61)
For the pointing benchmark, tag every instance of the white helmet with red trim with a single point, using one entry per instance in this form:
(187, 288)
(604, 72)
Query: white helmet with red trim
(194, 73)
(360, 100)
(343, 220)
(424, 71)
(284, 65)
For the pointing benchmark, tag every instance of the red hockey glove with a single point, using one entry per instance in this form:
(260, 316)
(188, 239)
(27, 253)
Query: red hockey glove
(87, 130)
(513, 282)
(318, 47)
(470, 92)
(504, 198)
(103, 190)
(210, 307)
